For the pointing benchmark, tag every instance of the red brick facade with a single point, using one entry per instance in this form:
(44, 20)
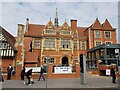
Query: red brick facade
(37, 36)
(63, 44)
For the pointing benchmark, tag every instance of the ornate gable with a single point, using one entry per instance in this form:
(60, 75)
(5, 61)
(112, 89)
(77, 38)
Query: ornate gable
(50, 25)
(65, 26)
(7, 42)
(106, 25)
(7, 37)
(96, 24)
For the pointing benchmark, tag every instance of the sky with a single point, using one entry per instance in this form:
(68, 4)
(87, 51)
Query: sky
(39, 12)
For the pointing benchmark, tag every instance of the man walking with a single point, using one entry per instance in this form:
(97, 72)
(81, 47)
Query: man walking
(9, 70)
(41, 74)
(29, 75)
(113, 75)
(22, 73)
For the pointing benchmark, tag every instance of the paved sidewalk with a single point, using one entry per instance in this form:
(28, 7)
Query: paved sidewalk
(93, 81)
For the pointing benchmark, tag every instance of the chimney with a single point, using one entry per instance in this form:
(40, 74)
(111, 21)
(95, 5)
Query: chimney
(73, 24)
(27, 23)
(20, 33)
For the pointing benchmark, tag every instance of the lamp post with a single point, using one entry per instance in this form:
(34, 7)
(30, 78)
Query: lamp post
(47, 61)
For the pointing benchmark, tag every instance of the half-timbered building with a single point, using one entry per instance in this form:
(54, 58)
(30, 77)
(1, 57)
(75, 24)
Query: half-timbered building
(7, 49)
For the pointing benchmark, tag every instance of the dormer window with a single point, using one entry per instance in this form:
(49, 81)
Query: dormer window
(65, 26)
(50, 32)
(65, 32)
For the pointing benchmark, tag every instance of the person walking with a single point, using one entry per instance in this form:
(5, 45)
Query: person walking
(29, 75)
(9, 70)
(41, 74)
(113, 75)
(1, 77)
(22, 73)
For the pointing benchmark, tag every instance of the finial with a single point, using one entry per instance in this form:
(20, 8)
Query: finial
(65, 20)
(56, 13)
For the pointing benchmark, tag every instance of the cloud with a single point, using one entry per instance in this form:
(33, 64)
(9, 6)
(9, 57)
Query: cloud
(14, 13)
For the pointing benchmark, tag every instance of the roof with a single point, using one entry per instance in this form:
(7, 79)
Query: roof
(10, 39)
(81, 31)
(106, 25)
(115, 46)
(34, 30)
(96, 24)
(49, 24)
(65, 24)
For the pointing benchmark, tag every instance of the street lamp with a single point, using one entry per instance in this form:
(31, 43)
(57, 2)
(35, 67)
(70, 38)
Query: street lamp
(47, 61)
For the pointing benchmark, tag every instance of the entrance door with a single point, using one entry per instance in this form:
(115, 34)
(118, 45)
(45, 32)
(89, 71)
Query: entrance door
(64, 61)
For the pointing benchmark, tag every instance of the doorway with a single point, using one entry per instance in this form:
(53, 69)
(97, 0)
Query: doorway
(65, 61)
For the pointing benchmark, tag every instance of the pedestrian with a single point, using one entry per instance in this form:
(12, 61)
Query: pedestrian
(113, 75)
(22, 73)
(1, 77)
(9, 70)
(41, 74)
(29, 76)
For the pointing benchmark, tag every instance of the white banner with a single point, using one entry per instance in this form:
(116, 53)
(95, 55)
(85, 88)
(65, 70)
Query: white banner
(108, 72)
(59, 70)
(35, 69)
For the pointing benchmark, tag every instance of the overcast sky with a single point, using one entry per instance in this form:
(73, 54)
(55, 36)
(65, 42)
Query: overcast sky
(85, 11)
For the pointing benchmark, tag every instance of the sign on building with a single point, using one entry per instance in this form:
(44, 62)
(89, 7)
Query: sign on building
(116, 50)
(108, 72)
(60, 70)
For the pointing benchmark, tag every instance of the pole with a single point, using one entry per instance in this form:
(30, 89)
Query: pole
(46, 75)
(47, 60)
(83, 69)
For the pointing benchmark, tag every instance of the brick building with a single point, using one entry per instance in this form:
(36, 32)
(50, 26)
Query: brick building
(62, 44)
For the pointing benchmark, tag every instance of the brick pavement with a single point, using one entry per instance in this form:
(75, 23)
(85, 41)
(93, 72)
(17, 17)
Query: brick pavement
(93, 81)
